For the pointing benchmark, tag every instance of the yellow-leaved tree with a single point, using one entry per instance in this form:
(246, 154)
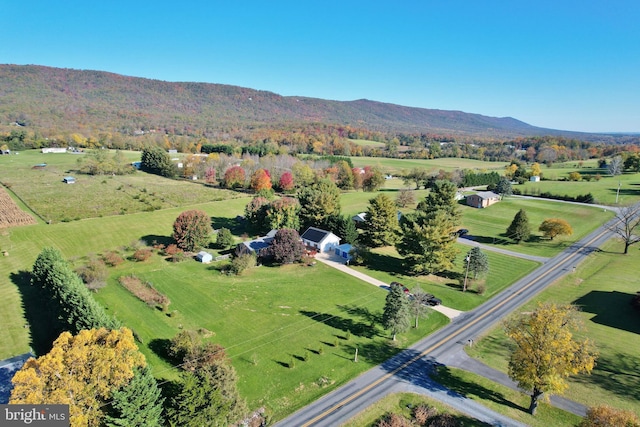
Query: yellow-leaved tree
(546, 352)
(81, 371)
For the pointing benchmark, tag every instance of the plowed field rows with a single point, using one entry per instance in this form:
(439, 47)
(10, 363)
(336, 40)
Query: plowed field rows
(10, 214)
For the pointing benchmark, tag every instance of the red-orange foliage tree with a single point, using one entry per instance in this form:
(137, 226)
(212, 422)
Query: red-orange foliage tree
(260, 180)
(286, 181)
(234, 177)
(191, 230)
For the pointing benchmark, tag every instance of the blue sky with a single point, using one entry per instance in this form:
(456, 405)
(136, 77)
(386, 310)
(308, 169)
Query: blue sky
(562, 64)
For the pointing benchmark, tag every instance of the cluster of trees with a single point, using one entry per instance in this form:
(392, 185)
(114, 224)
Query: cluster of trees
(426, 234)
(100, 162)
(208, 393)
(400, 308)
(70, 304)
(99, 373)
(520, 230)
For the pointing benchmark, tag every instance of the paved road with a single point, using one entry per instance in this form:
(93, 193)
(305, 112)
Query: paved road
(411, 367)
(467, 239)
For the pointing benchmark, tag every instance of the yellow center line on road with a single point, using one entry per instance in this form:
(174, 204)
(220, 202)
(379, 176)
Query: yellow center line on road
(442, 341)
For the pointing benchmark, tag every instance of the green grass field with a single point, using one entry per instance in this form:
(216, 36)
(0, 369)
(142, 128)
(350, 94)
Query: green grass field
(489, 225)
(368, 143)
(265, 319)
(397, 166)
(95, 196)
(503, 271)
(602, 287)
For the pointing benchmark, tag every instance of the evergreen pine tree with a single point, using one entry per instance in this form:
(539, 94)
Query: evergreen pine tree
(396, 314)
(519, 229)
(137, 404)
(381, 226)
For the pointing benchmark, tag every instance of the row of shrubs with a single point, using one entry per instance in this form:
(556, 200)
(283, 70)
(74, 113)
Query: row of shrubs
(582, 198)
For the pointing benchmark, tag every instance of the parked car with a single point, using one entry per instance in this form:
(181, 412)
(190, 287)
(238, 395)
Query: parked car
(404, 288)
(434, 301)
(462, 232)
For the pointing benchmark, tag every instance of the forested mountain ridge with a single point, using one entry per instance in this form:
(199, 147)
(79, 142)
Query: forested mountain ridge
(90, 102)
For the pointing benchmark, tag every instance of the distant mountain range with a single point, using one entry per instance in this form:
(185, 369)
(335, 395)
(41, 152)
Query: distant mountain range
(95, 101)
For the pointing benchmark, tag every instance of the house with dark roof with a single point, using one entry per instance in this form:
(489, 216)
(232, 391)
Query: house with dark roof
(320, 240)
(482, 199)
(256, 246)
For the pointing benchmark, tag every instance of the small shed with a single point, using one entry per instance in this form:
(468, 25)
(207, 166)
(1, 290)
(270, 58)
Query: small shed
(204, 257)
(69, 180)
(343, 251)
(534, 178)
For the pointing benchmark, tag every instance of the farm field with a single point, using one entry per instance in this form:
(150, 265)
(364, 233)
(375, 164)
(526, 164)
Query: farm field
(489, 225)
(251, 315)
(602, 288)
(95, 196)
(396, 166)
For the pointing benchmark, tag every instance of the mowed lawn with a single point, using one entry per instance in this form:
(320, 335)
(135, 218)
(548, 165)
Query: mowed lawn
(602, 288)
(265, 319)
(503, 271)
(489, 225)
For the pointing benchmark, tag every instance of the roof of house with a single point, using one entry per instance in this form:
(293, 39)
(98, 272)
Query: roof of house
(256, 245)
(315, 235)
(488, 195)
(203, 254)
(361, 217)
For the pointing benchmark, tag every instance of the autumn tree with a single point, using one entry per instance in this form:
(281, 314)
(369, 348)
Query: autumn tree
(318, 203)
(405, 198)
(344, 179)
(396, 315)
(234, 177)
(372, 179)
(210, 175)
(555, 227)
(546, 351)
(191, 353)
(191, 230)
(536, 170)
(287, 247)
(519, 229)
(605, 416)
(286, 183)
(138, 403)
(625, 224)
(381, 227)
(82, 371)
(260, 180)
(419, 176)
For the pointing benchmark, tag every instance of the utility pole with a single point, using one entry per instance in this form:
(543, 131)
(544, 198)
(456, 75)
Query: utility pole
(466, 274)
